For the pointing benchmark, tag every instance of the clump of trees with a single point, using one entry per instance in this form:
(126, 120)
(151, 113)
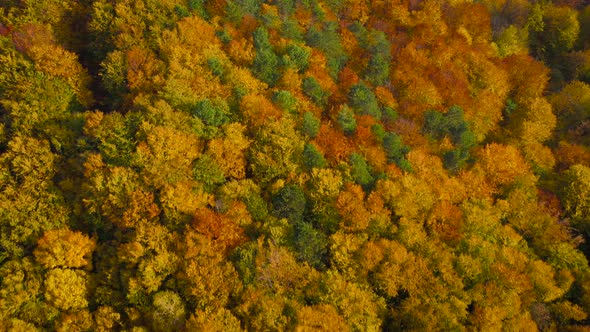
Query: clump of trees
(294, 165)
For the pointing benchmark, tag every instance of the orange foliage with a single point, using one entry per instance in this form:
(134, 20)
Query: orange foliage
(321, 317)
(528, 77)
(363, 136)
(410, 131)
(385, 97)
(248, 25)
(475, 19)
(350, 204)
(475, 184)
(446, 222)
(304, 17)
(571, 154)
(216, 7)
(143, 70)
(317, 68)
(241, 51)
(333, 143)
(218, 228)
(195, 32)
(357, 10)
(502, 163)
(549, 203)
(350, 43)
(65, 249)
(290, 80)
(347, 78)
(376, 157)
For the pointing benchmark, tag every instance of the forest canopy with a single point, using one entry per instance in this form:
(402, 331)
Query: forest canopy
(287, 165)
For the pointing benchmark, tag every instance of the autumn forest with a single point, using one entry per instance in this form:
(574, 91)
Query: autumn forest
(294, 165)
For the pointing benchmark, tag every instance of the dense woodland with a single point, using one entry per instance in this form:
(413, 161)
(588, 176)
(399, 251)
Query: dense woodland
(336, 165)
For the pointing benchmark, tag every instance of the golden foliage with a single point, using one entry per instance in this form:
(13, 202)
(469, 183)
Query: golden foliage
(65, 249)
(66, 289)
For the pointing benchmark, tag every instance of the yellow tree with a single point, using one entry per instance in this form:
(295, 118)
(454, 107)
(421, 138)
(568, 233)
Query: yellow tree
(65, 249)
(66, 289)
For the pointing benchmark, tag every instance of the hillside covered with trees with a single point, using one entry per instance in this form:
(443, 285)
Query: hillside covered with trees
(294, 165)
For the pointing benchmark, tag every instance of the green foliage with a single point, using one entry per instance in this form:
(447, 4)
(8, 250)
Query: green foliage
(215, 66)
(512, 41)
(213, 113)
(360, 171)
(453, 125)
(388, 114)
(557, 33)
(206, 170)
(455, 159)
(396, 151)
(327, 40)
(198, 7)
(266, 62)
(238, 8)
(257, 207)
(363, 100)
(113, 73)
(575, 192)
(311, 125)
(509, 108)
(275, 152)
(113, 137)
(289, 202)
(290, 29)
(314, 91)
(346, 120)
(311, 245)
(378, 47)
(297, 56)
(312, 158)
(285, 100)
(286, 7)
(30, 203)
(146, 182)
(378, 132)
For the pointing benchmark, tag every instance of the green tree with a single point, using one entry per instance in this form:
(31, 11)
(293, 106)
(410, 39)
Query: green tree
(346, 120)
(327, 40)
(559, 33)
(30, 203)
(363, 100)
(214, 113)
(311, 245)
(396, 150)
(206, 170)
(360, 171)
(266, 63)
(314, 91)
(311, 125)
(289, 202)
(297, 56)
(285, 100)
(312, 158)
